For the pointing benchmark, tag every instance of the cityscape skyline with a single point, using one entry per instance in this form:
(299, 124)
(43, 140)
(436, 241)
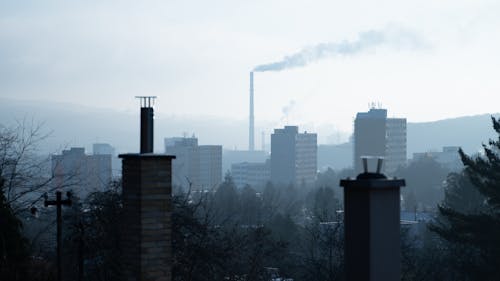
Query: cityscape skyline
(272, 140)
(198, 63)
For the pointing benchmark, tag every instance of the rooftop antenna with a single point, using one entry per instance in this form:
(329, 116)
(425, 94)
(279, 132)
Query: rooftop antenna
(147, 127)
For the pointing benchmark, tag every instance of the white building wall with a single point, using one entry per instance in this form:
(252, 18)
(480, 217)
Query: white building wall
(395, 144)
(210, 166)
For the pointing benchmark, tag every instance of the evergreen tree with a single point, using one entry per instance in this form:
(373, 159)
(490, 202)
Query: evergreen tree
(226, 201)
(475, 226)
(250, 206)
(424, 178)
(13, 246)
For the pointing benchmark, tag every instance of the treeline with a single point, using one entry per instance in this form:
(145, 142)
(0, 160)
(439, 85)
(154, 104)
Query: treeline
(277, 231)
(249, 235)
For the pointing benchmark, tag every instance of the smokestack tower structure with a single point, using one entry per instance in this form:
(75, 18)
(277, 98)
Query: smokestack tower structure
(251, 144)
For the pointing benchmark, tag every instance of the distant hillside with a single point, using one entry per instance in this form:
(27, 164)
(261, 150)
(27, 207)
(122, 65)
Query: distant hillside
(73, 125)
(467, 132)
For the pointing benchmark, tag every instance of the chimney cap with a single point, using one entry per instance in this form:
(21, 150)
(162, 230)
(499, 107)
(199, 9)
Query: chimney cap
(146, 101)
(380, 161)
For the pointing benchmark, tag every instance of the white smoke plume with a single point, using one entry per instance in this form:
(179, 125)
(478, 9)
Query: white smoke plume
(391, 36)
(287, 110)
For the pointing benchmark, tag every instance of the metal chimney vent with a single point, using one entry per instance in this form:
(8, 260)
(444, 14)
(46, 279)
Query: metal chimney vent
(147, 127)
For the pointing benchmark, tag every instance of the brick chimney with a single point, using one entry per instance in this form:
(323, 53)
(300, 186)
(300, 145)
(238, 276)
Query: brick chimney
(147, 209)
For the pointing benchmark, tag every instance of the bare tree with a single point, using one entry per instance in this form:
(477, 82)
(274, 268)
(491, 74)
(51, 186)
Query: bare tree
(24, 171)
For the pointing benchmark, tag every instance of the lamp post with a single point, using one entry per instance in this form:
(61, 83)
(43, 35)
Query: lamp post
(59, 203)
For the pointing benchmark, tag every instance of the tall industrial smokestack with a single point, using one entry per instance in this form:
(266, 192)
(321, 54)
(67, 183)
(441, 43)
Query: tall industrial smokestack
(147, 123)
(251, 144)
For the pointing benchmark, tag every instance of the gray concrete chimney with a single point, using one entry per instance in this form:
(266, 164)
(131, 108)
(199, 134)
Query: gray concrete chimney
(372, 226)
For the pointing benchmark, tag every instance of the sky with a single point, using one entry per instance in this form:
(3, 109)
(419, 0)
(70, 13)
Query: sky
(325, 60)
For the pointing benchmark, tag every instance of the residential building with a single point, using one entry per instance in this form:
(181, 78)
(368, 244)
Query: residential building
(107, 149)
(102, 149)
(196, 167)
(230, 157)
(210, 166)
(375, 136)
(293, 157)
(81, 173)
(395, 144)
(254, 174)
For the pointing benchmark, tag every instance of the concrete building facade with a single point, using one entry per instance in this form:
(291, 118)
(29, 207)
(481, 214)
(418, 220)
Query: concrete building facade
(107, 149)
(74, 170)
(293, 156)
(210, 166)
(395, 144)
(195, 166)
(375, 135)
(254, 174)
(230, 157)
(185, 167)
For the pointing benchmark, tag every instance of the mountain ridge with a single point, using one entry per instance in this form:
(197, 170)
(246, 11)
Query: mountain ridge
(74, 125)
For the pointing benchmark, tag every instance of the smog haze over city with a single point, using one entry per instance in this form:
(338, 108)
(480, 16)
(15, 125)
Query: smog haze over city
(249, 140)
(317, 63)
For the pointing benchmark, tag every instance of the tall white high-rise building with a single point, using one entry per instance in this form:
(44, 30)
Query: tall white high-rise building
(375, 135)
(293, 156)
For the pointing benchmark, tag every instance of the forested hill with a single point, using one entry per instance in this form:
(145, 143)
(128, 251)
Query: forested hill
(469, 132)
(81, 126)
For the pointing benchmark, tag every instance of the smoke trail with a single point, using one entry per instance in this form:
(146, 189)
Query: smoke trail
(398, 38)
(287, 110)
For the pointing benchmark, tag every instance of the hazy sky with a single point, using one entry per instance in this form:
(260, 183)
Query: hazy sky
(424, 60)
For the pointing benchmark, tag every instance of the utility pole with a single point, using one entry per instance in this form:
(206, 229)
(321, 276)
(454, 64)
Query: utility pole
(59, 203)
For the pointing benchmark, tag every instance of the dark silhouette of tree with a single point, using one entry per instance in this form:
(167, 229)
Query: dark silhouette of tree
(270, 201)
(25, 173)
(424, 178)
(325, 204)
(226, 201)
(474, 226)
(250, 207)
(461, 195)
(328, 178)
(322, 251)
(13, 246)
(91, 236)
